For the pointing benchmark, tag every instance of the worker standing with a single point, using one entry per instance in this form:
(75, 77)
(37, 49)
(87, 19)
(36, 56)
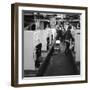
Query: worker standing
(68, 38)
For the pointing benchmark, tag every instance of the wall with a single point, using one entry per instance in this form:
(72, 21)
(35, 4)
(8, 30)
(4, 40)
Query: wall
(5, 45)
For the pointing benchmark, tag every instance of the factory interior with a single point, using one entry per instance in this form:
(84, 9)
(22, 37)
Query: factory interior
(47, 52)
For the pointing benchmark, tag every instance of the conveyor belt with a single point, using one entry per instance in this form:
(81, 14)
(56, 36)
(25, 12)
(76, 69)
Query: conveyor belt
(59, 64)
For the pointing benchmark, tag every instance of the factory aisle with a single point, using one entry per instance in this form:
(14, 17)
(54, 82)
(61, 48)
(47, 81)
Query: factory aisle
(61, 64)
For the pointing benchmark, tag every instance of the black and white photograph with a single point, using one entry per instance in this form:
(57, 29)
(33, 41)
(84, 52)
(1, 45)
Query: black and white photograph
(49, 44)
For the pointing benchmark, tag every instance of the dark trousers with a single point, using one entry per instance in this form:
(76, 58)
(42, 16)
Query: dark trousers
(67, 48)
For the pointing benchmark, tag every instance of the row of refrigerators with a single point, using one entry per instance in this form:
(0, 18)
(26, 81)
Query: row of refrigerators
(32, 40)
